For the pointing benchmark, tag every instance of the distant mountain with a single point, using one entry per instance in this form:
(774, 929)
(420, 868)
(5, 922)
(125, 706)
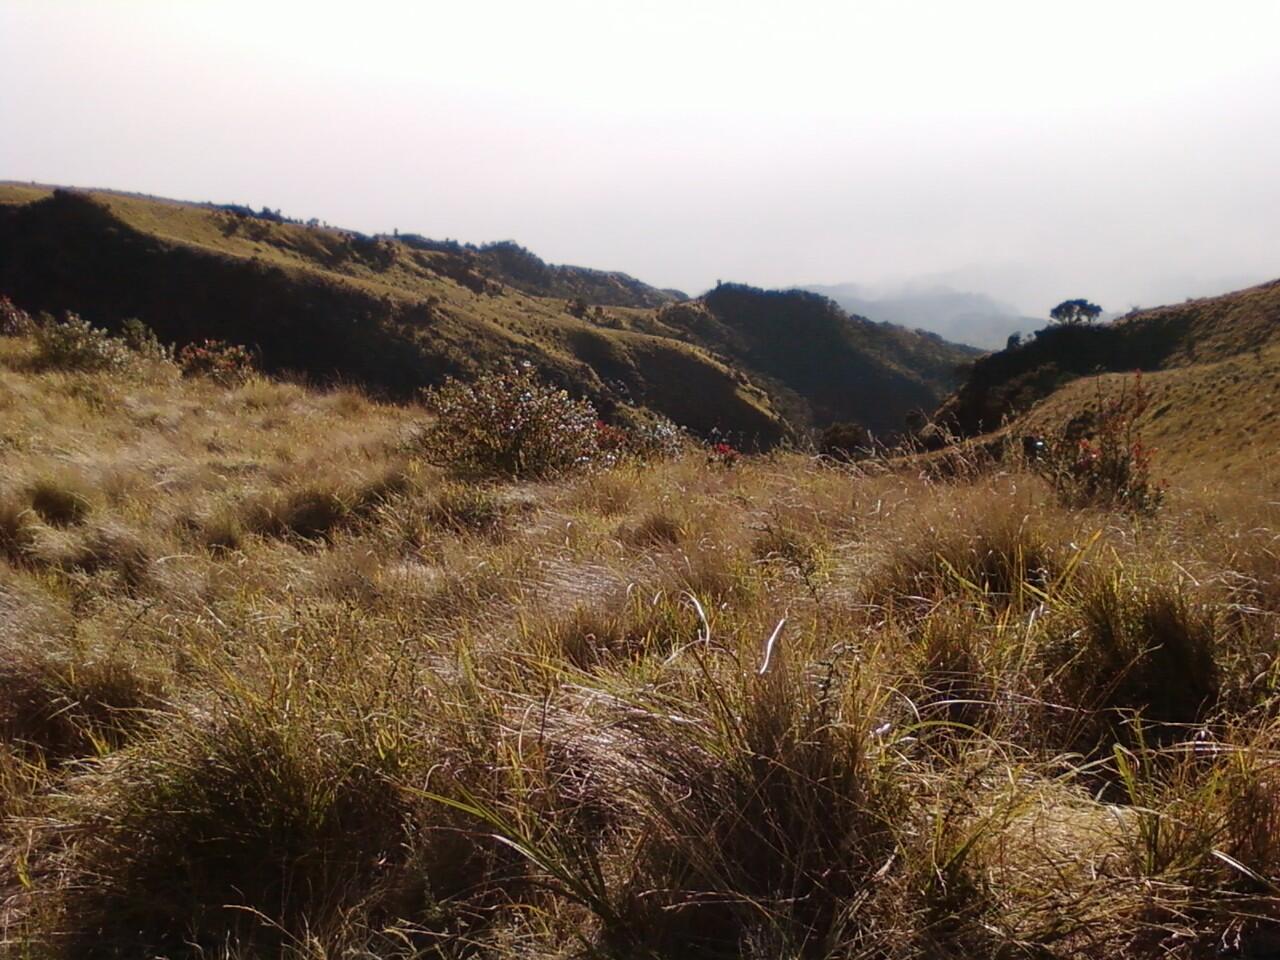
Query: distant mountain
(957, 315)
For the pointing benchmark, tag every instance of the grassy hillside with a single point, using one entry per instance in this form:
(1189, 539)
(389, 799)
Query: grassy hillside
(1207, 419)
(272, 684)
(341, 307)
(395, 314)
(1245, 324)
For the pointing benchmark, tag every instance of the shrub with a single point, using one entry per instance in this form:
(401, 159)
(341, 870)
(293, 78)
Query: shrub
(142, 340)
(226, 363)
(845, 441)
(75, 344)
(13, 319)
(640, 435)
(509, 424)
(1110, 466)
(723, 455)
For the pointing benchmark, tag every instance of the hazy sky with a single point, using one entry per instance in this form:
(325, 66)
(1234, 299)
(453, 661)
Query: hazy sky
(1124, 151)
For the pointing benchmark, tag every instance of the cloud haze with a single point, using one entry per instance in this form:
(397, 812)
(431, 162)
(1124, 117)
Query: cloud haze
(1123, 152)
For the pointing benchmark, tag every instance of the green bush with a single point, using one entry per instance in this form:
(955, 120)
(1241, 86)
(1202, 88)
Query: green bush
(75, 344)
(509, 424)
(142, 340)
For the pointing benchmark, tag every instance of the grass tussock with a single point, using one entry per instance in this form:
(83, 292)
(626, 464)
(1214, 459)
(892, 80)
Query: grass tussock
(60, 501)
(61, 700)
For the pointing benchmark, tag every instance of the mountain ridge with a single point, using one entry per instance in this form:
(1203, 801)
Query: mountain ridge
(396, 314)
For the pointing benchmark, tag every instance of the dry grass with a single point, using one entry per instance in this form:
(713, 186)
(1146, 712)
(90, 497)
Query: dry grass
(280, 689)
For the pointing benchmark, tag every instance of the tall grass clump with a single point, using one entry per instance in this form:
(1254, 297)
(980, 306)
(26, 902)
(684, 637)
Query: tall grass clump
(986, 543)
(754, 809)
(1128, 648)
(61, 700)
(60, 500)
(287, 817)
(18, 524)
(240, 830)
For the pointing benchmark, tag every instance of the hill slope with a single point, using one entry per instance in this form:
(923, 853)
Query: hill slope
(335, 305)
(820, 364)
(398, 313)
(1211, 371)
(1212, 329)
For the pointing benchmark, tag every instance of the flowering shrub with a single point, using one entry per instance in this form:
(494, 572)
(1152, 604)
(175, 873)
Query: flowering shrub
(611, 441)
(75, 344)
(510, 424)
(723, 455)
(1111, 466)
(638, 435)
(13, 319)
(225, 363)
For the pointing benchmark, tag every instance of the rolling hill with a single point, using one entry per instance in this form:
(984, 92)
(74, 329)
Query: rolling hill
(1211, 370)
(395, 314)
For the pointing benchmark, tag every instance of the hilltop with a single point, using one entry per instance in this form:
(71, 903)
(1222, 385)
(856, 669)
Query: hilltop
(397, 313)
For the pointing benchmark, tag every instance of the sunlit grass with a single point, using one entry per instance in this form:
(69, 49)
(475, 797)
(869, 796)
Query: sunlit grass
(272, 686)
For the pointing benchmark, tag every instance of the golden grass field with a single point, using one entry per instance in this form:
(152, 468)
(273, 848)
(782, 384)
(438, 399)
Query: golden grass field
(272, 683)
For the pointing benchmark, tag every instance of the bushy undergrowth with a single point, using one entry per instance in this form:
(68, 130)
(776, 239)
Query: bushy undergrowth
(14, 321)
(75, 344)
(228, 364)
(510, 424)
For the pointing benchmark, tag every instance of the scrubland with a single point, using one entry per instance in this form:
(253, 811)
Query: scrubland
(274, 684)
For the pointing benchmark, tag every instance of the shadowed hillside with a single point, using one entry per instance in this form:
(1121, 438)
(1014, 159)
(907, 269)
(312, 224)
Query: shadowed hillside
(339, 306)
(394, 314)
(821, 364)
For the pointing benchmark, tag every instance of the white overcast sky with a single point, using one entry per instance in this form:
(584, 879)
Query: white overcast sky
(1124, 151)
